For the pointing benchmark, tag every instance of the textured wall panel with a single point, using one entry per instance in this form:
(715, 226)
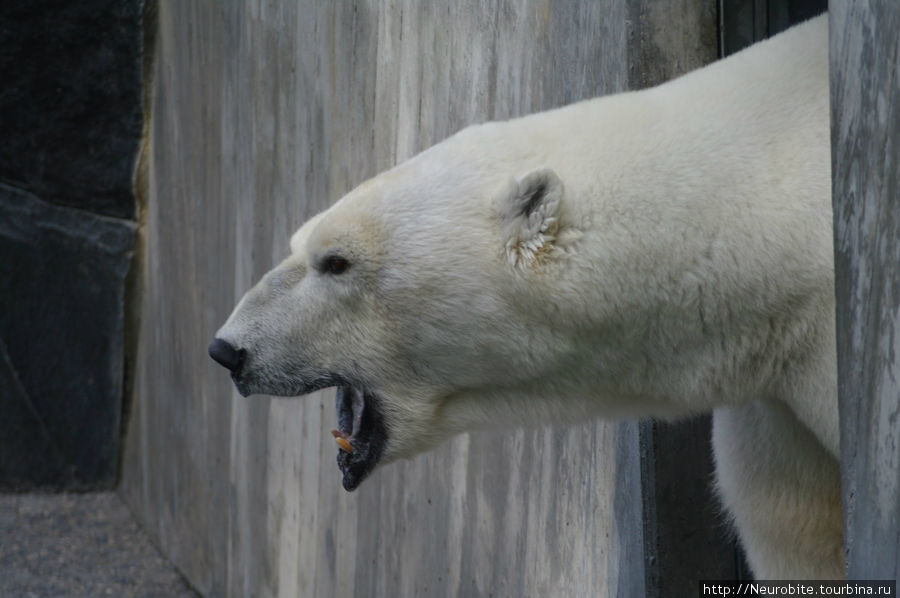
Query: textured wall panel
(265, 113)
(865, 91)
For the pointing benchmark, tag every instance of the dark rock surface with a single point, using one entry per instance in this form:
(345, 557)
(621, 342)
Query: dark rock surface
(61, 322)
(70, 123)
(79, 546)
(70, 102)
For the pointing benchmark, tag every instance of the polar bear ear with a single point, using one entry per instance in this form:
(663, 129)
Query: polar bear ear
(529, 215)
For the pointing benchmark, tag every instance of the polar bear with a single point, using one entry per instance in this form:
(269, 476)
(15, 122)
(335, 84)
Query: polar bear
(659, 253)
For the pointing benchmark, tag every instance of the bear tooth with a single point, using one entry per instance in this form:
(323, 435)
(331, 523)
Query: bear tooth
(344, 444)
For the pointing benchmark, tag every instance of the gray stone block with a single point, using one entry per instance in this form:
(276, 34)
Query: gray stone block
(62, 276)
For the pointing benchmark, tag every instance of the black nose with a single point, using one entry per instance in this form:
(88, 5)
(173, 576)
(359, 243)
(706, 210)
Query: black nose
(225, 353)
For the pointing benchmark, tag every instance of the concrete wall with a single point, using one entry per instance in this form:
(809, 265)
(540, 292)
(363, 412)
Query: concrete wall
(266, 112)
(865, 87)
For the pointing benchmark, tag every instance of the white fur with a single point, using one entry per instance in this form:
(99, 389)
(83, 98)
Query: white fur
(664, 252)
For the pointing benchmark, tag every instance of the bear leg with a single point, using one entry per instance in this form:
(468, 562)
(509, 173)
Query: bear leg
(782, 491)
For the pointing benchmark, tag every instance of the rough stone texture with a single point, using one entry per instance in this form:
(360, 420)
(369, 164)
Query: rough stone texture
(70, 103)
(70, 125)
(264, 114)
(865, 100)
(61, 307)
(79, 546)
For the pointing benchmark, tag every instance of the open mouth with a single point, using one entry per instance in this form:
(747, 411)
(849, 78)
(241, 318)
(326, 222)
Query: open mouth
(361, 434)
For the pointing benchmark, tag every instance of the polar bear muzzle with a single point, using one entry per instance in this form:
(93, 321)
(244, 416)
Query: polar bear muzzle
(361, 434)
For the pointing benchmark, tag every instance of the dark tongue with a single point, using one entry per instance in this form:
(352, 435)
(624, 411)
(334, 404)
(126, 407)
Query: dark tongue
(351, 403)
(360, 422)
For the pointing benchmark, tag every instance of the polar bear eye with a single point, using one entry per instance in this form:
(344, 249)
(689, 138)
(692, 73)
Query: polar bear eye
(333, 264)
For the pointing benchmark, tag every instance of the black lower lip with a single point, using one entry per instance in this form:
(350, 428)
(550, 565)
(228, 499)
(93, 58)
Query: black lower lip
(367, 431)
(247, 383)
(240, 385)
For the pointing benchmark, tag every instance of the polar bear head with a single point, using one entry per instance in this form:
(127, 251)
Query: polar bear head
(407, 295)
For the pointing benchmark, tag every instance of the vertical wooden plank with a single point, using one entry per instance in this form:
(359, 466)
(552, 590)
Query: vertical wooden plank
(865, 96)
(661, 47)
(634, 573)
